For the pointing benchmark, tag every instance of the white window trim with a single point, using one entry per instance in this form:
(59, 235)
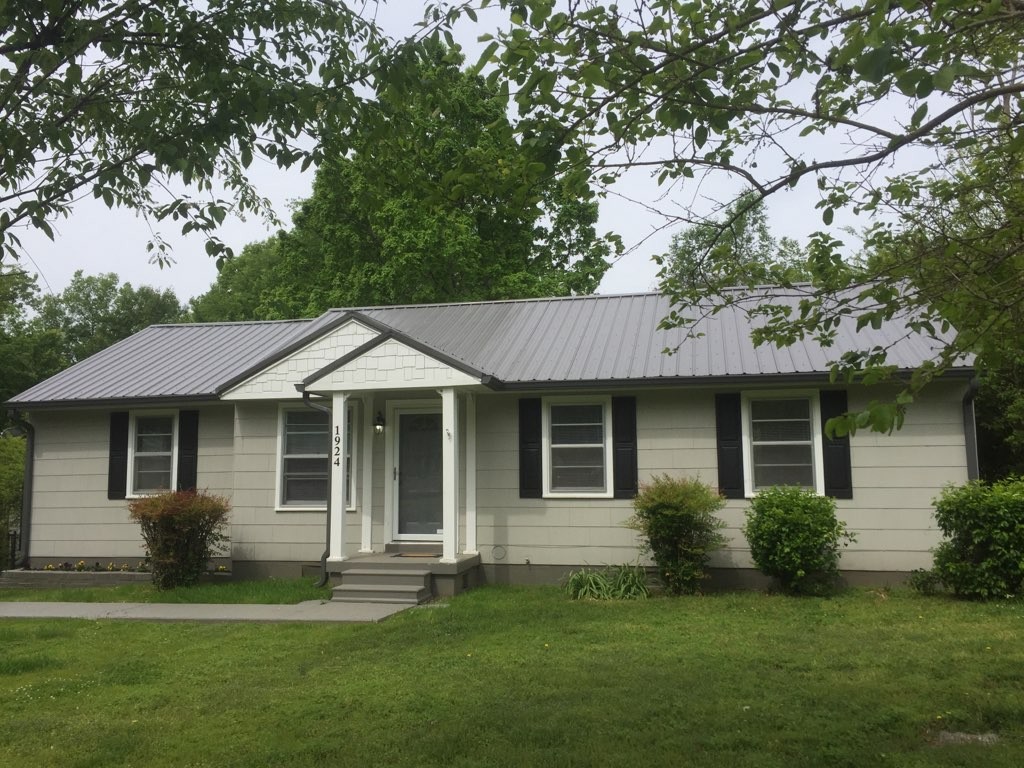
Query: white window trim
(817, 451)
(605, 401)
(133, 416)
(279, 506)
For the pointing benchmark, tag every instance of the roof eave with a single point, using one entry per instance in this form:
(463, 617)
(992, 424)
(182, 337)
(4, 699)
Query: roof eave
(115, 402)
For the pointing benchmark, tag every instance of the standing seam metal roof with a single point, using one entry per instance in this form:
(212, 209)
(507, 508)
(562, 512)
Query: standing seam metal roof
(521, 343)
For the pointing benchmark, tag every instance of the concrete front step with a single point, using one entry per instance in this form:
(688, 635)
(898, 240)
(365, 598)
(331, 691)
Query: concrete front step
(410, 594)
(390, 576)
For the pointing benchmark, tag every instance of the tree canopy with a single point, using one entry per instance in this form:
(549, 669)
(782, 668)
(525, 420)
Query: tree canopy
(904, 111)
(162, 106)
(739, 248)
(42, 335)
(437, 201)
(94, 311)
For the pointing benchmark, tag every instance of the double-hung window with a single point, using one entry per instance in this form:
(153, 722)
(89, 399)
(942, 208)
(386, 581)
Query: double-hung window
(783, 437)
(305, 461)
(152, 447)
(577, 447)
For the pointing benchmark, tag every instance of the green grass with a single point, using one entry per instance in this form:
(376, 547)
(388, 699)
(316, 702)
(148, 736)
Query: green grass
(525, 677)
(276, 591)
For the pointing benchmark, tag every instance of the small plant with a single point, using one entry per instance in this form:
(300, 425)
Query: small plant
(80, 565)
(982, 555)
(795, 538)
(628, 582)
(676, 519)
(925, 582)
(182, 531)
(622, 582)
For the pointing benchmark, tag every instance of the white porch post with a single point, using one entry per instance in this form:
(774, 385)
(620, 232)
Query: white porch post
(450, 475)
(366, 512)
(339, 488)
(470, 474)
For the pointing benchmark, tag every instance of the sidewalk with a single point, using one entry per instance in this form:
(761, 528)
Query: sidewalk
(309, 611)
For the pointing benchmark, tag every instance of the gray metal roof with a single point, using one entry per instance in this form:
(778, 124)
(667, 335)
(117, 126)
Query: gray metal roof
(521, 344)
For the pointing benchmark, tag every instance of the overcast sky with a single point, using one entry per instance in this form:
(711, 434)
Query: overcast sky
(96, 239)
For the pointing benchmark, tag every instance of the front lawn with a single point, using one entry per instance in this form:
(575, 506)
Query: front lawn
(504, 676)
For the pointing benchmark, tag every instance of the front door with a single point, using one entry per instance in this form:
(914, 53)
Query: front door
(418, 475)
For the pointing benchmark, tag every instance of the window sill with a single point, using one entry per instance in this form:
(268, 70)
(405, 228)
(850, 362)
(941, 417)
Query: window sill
(580, 495)
(309, 509)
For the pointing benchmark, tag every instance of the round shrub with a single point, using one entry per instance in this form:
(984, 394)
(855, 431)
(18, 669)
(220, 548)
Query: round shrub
(182, 531)
(676, 519)
(982, 555)
(795, 538)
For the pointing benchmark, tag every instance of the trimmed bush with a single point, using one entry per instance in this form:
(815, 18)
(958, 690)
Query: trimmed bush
(182, 531)
(676, 519)
(795, 538)
(983, 554)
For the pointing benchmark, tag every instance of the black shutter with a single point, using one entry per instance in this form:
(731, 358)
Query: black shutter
(117, 466)
(836, 451)
(188, 450)
(624, 446)
(531, 478)
(729, 433)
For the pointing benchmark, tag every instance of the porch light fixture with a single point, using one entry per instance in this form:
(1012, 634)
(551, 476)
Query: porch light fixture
(378, 424)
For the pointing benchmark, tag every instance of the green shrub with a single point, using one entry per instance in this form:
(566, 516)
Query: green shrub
(12, 475)
(621, 582)
(795, 538)
(983, 553)
(925, 582)
(676, 519)
(182, 531)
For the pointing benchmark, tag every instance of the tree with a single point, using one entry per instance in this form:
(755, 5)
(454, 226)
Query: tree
(243, 284)
(739, 249)
(29, 354)
(886, 107)
(122, 98)
(12, 473)
(94, 311)
(436, 202)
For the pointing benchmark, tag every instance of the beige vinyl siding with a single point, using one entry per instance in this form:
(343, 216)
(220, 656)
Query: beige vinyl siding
(895, 478)
(71, 516)
(258, 530)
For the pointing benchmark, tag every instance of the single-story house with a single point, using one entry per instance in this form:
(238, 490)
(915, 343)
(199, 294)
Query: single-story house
(500, 440)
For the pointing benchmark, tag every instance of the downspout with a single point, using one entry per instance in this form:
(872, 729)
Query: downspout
(327, 532)
(971, 431)
(27, 483)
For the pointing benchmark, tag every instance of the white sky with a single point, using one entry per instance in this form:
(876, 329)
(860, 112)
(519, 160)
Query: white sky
(96, 239)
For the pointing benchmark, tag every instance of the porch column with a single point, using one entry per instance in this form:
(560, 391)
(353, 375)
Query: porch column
(470, 474)
(339, 488)
(366, 506)
(450, 475)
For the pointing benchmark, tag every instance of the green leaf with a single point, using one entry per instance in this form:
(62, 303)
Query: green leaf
(945, 76)
(875, 64)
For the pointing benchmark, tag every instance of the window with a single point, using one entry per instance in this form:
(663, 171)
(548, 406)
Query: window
(305, 448)
(152, 446)
(577, 447)
(783, 441)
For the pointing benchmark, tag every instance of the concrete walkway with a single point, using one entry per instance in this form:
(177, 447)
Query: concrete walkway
(311, 610)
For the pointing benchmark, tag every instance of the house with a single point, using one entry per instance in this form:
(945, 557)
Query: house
(502, 440)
